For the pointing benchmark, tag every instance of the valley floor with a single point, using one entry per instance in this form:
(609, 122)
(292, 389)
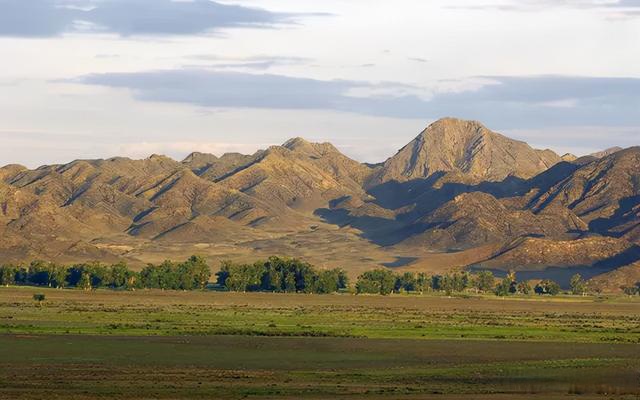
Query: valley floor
(178, 345)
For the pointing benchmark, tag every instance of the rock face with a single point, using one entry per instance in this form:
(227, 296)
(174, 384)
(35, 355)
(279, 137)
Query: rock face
(457, 186)
(618, 279)
(476, 218)
(605, 193)
(468, 149)
(541, 253)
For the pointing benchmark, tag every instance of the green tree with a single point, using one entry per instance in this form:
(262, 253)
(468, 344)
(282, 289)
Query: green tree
(184, 277)
(423, 282)
(84, 282)
(273, 277)
(407, 282)
(553, 288)
(547, 287)
(459, 281)
(508, 285)
(328, 282)
(448, 284)
(22, 276)
(465, 281)
(58, 275)
(39, 273)
(241, 277)
(99, 274)
(119, 275)
(343, 278)
(200, 270)
(523, 287)
(378, 281)
(578, 285)
(436, 282)
(502, 288)
(223, 274)
(8, 275)
(485, 281)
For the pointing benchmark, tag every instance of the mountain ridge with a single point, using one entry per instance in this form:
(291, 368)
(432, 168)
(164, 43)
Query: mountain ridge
(457, 186)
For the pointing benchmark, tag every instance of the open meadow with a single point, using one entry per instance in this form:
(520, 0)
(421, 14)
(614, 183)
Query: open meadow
(169, 344)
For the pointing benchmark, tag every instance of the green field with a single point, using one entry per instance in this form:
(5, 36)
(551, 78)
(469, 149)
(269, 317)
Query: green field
(155, 344)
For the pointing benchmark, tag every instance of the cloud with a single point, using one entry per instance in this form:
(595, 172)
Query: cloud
(45, 18)
(542, 101)
(502, 102)
(253, 63)
(579, 140)
(629, 8)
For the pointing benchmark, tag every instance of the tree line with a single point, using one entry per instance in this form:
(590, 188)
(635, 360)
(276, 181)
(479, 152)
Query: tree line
(385, 281)
(280, 275)
(194, 273)
(274, 274)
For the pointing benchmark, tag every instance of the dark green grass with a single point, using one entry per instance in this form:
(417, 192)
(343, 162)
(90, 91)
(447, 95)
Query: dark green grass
(236, 366)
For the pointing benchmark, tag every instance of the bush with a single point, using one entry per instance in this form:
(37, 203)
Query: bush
(547, 287)
(378, 281)
(632, 290)
(578, 285)
(484, 281)
(39, 297)
(8, 275)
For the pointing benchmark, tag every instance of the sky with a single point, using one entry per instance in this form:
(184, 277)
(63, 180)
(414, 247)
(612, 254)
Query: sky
(101, 78)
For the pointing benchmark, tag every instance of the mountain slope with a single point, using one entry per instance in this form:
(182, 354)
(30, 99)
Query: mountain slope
(468, 149)
(476, 219)
(457, 186)
(605, 194)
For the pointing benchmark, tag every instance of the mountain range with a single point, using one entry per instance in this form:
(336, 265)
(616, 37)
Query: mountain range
(457, 196)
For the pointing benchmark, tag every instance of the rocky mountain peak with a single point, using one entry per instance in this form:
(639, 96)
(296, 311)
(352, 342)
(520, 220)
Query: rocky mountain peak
(297, 143)
(468, 149)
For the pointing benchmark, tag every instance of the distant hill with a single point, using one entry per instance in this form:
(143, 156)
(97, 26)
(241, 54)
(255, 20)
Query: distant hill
(457, 187)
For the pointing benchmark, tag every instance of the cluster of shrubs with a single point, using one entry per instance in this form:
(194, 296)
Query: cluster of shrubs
(384, 281)
(280, 275)
(632, 290)
(194, 273)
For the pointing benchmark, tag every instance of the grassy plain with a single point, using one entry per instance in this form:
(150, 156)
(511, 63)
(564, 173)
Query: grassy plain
(155, 344)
